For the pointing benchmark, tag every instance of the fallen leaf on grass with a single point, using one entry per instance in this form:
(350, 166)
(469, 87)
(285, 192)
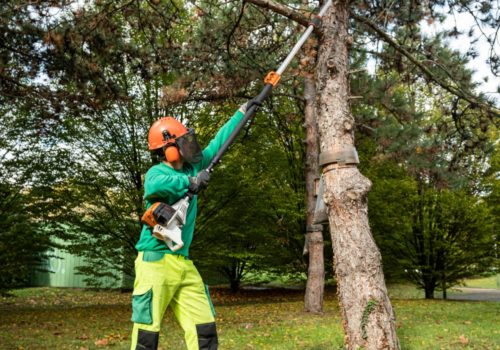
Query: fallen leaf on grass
(83, 348)
(83, 337)
(101, 342)
(463, 340)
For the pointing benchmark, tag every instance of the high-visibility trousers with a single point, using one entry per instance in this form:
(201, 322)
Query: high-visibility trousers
(164, 280)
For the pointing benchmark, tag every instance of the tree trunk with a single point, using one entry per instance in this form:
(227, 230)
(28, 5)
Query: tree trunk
(429, 290)
(235, 285)
(367, 313)
(234, 274)
(315, 287)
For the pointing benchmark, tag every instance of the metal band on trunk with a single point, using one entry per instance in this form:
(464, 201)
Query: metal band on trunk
(341, 154)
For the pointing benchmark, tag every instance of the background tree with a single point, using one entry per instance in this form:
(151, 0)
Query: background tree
(491, 185)
(314, 244)
(23, 239)
(433, 237)
(96, 73)
(451, 156)
(252, 210)
(23, 233)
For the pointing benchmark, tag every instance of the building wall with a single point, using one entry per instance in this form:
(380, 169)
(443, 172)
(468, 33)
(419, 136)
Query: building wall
(61, 271)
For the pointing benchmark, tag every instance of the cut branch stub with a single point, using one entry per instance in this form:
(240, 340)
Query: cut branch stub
(332, 67)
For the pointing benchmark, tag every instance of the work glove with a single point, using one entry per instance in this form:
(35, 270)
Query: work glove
(199, 182)
(243, 108)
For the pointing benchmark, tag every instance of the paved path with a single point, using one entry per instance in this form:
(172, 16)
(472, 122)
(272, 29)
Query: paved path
(479, 294)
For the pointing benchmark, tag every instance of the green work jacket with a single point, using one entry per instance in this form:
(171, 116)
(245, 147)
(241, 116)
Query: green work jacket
(165, 184)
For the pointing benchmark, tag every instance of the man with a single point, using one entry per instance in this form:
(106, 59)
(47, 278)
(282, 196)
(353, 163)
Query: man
(165, 278)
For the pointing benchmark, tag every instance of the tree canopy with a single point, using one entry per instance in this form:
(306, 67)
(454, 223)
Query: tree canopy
(80, 83)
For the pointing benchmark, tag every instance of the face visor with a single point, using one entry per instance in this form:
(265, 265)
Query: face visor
(189, 148)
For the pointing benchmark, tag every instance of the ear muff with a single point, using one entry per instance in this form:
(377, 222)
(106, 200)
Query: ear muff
(172, 154)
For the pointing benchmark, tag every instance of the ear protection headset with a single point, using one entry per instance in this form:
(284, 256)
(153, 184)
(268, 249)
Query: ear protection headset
(172, 153)
(170, 150)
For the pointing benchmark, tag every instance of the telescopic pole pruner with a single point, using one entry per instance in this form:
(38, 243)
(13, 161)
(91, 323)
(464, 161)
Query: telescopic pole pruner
(271, 80)
(167, 221)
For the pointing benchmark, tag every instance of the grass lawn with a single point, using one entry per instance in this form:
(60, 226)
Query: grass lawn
(492, 282)
(45, 318)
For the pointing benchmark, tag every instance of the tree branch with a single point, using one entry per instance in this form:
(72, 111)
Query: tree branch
(282, 10)
(228, 42)
(427, 72)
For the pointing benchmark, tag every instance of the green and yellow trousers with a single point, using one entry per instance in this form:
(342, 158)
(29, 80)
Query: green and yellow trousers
(164, 280)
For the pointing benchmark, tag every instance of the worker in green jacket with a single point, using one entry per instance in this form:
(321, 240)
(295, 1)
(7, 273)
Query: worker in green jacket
(165, 278)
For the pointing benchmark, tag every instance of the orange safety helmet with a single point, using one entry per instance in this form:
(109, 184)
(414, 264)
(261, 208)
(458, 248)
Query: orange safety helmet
(175, 139)
(165, 131)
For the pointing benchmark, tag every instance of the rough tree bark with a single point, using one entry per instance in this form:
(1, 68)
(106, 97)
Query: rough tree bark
(315, 287)
(368, 317)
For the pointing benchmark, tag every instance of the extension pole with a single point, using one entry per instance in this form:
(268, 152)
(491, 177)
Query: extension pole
(315, 22)
(271, 80)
